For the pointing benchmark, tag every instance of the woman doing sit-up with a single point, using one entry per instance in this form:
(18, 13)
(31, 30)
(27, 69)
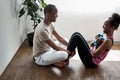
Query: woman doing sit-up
(92, 56)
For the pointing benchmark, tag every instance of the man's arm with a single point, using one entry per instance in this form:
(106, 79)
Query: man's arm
(54, 46)
(60, 39)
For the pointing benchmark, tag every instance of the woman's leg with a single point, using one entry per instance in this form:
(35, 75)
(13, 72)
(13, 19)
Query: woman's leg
(78, 41)
(74, 42)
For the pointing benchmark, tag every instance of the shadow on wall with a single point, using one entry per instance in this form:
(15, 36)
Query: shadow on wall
(16, 6)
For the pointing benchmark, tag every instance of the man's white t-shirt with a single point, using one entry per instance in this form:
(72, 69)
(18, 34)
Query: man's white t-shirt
(42, 33)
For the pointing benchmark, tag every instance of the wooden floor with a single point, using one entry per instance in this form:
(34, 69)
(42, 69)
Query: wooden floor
(22, 67)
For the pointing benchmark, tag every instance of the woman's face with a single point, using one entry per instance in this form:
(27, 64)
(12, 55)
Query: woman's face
(107, 27)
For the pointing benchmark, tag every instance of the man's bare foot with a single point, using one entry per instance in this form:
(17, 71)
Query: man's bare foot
(72, 53)
(61, 64)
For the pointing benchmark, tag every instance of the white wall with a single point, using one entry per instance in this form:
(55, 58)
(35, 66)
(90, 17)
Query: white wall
(87, 24)
(76, 16)
(84, 16)
(12, 31)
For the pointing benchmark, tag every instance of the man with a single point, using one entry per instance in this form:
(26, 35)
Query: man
(45, 50)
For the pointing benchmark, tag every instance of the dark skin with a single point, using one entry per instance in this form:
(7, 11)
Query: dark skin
(98, 40)
(107, 43)
(49, 18)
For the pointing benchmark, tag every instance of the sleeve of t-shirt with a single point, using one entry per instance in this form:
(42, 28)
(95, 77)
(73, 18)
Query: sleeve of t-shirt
(44, 35)
(53, 28)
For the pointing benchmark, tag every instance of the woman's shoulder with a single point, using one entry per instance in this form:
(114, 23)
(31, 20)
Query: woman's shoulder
(108, 43)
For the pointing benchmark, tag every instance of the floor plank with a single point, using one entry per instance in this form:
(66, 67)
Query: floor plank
(22, 67)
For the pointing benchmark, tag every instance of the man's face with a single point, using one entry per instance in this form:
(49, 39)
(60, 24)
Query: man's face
(53, 15)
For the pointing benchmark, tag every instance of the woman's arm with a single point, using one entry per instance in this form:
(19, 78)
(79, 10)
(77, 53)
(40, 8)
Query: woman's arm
(106, 45)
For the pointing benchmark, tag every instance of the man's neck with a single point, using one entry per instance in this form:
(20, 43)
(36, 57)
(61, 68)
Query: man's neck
(47, 22)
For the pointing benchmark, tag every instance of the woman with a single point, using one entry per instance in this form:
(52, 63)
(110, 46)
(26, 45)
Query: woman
(92, 56)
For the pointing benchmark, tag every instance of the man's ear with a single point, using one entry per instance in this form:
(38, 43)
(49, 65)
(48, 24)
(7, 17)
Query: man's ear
(113, 28)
